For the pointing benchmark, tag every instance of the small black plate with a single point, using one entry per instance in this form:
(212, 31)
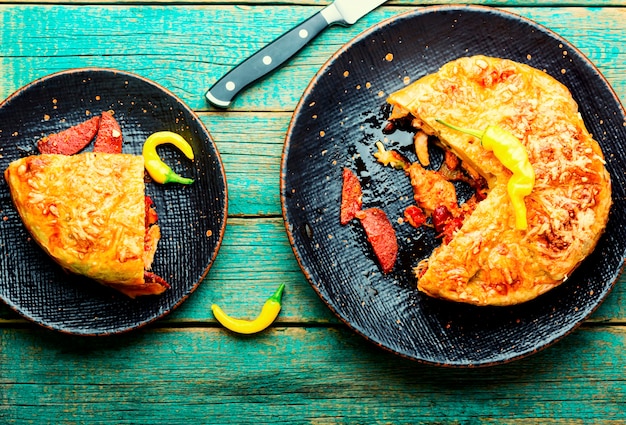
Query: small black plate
(192, 218)
(336, 124)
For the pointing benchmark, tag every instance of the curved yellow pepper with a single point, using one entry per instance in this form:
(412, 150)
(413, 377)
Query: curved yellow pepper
(268, 314)
(513, 155)
(158, 170)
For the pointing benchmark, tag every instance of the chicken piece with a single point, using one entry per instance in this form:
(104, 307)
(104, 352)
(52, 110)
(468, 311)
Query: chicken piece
(431, 189)
(420, 142)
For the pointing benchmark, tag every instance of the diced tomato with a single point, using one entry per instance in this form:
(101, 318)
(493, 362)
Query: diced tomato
(109, 138)
(420, 142)
(351, 196)
(445, 223)
(431, 189)
(71, 140)
(415, 216)
(381, 236)
(441, 215)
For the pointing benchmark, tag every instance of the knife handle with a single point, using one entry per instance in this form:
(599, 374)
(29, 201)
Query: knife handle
(265, 60)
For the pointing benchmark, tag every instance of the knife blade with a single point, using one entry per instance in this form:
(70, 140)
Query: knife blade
(279, 51)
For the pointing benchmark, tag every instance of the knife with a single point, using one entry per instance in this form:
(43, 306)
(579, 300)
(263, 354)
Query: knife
(266, 60)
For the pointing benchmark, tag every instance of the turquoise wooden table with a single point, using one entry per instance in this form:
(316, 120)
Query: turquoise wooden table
(308, 367)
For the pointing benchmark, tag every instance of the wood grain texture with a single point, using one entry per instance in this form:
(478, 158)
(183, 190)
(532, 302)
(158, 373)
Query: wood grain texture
(255, 258)
(187, 49)
(308, 368)
(249, 3)
(297, 375)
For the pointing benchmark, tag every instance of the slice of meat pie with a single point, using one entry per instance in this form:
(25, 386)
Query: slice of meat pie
(88, 212)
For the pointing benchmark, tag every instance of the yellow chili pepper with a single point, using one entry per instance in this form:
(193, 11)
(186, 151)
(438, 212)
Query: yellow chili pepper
(513, 155)
(268, 314)
(158, 170)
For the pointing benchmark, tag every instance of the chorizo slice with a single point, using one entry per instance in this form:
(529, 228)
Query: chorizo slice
(70, 141)
(109, 138)
(381, 236)
(351, 196)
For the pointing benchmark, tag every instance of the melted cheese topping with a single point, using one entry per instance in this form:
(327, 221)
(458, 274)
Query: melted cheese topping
(489, 262)
(86, 211)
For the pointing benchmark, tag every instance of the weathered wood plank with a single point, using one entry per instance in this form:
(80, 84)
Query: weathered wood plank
(246, 5)
(187, 49)
(297, 375)
(308, 368)
(251, 146)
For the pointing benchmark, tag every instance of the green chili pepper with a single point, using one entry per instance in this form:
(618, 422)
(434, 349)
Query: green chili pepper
(513, 155)
(158, 170)
(268, 314)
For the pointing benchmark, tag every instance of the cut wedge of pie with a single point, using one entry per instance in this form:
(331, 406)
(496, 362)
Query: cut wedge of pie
(88, 212)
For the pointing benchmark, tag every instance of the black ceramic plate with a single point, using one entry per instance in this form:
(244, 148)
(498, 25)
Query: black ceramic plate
(192, 218)
(336, 125)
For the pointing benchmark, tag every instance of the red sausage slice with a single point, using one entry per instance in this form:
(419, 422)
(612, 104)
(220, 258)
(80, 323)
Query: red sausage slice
(70, 141)
(351, 196)
(381, 236)
(109, 138)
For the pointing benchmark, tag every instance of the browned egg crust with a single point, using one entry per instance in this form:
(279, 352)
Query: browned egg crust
(489, 261)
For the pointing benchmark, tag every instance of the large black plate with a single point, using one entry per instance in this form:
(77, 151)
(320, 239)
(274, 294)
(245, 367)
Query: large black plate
(336, 124)
(192, 218)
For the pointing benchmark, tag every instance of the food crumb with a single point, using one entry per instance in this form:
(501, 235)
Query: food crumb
(529, 57)
(46, 117)
(406, 80)
(209, 233)
(346, 73)
(322, 133)
(389, 57)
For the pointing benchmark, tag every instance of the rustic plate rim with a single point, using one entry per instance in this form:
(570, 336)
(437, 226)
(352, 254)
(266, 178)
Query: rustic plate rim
(416, 14)
(110, 72)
